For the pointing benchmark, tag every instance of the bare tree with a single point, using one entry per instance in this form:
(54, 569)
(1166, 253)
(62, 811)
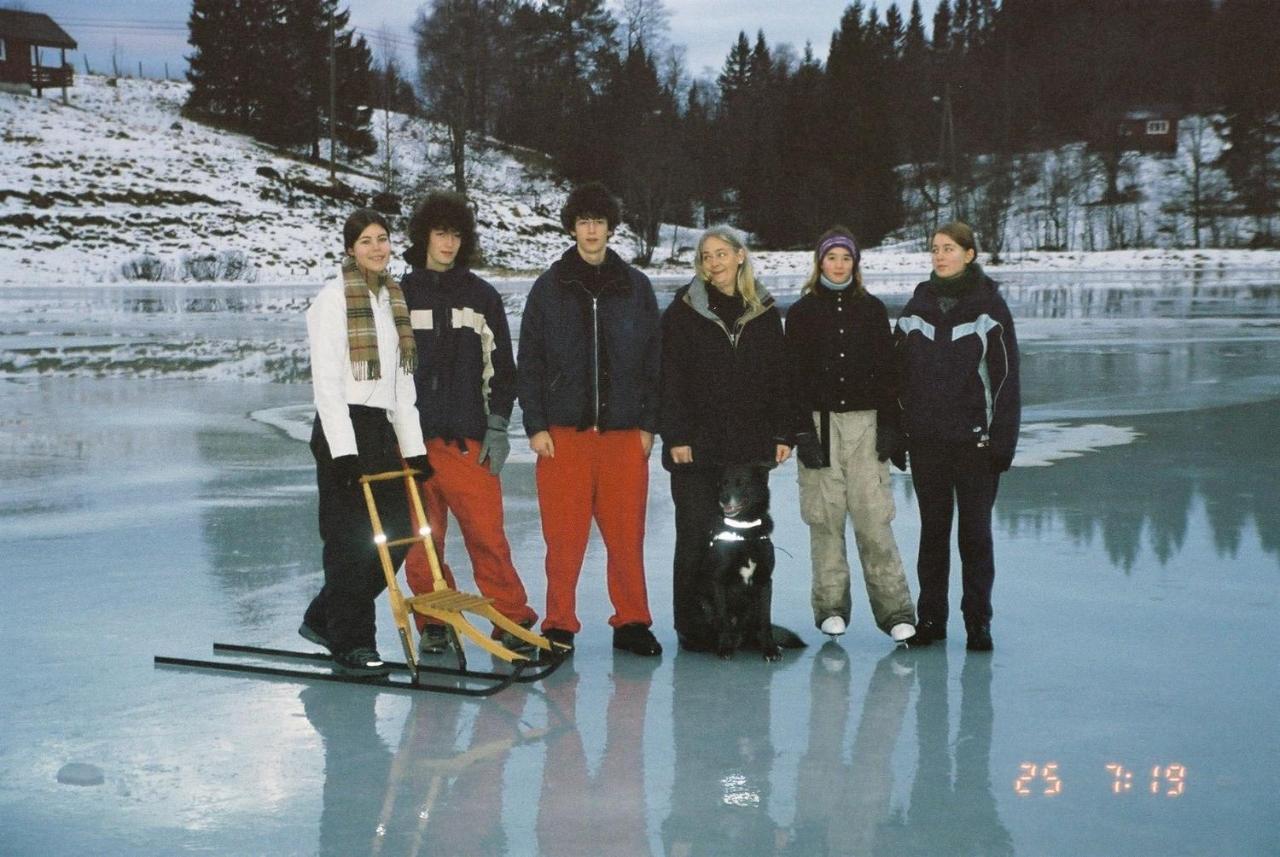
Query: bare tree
(645, 21)
(388, 74)
(1204, 188)
(991, 199)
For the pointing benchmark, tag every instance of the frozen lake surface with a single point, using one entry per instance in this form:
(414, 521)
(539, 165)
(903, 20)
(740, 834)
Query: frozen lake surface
(156, 500)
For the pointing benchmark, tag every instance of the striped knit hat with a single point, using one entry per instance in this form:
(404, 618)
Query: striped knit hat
(838, 241)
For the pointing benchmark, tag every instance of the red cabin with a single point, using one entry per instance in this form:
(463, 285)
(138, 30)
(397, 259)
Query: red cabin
(1149, 130)
(27, 42)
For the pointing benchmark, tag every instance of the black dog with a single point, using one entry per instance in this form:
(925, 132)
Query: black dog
(736, 579)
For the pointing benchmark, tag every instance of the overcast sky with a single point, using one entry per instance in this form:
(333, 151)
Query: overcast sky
(153, 32)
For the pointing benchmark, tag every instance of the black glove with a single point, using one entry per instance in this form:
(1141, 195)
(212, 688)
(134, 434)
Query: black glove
(890, 444)
(495, 447)
(347, 471)
(1001, 463)
(899, 460)
(422, 465)
(809, 450)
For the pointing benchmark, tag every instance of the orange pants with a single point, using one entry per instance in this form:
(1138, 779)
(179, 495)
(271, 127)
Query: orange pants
(605, 476)
(474, 495)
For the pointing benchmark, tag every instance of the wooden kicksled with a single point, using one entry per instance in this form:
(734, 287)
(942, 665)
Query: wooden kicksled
(443, 604)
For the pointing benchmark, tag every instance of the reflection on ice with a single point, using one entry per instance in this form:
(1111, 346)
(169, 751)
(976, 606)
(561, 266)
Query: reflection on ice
(1215, 465)
(146, 516)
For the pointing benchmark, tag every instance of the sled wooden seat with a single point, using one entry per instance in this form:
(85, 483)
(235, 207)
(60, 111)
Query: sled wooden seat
(443, 604)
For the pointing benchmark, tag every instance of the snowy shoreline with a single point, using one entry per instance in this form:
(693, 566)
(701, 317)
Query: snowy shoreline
(893, 266)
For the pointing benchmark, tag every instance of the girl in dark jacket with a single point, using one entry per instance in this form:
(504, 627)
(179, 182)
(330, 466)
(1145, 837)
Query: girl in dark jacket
(724, 396)
(958, 357)
(841, 351)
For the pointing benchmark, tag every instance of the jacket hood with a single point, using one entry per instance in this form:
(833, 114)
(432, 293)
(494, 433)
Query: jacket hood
(693, 294)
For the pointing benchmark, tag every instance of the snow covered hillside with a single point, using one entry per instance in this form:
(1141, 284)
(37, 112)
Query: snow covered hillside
(118, 186)
(118, 181)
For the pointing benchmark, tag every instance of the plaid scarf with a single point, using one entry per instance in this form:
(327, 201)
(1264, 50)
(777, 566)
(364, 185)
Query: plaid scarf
(362, 333)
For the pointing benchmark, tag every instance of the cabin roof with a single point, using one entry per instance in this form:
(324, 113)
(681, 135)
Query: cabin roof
(33, 27)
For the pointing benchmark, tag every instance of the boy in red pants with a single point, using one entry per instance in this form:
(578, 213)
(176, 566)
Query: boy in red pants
(589, 360)
(465, 381)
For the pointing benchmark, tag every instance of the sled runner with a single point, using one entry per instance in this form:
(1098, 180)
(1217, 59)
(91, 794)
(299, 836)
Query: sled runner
(444, 604)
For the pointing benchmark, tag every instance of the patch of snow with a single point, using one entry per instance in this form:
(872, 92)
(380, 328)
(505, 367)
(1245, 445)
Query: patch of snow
(93, 187)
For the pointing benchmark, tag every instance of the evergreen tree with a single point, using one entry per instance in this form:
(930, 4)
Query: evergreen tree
(699, 144)
(860, 68)
(584, 48)
(460, 55)
(733, 79)
(941, 43)
(648, 169)
(216, 31)
(263, 66)
(529, 89)
(801, 208)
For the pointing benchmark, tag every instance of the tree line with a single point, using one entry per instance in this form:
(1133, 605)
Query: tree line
(780, 143)
(263, 67)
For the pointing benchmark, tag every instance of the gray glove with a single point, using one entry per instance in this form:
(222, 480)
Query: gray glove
(496, 446)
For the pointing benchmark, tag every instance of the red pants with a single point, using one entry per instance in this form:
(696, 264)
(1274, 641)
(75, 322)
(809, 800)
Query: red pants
(605, 476)
(474, 495)
(601, 813)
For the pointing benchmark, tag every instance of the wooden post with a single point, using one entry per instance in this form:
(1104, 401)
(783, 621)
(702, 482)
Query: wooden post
(35, 72)
(62, 70)
(139, 69)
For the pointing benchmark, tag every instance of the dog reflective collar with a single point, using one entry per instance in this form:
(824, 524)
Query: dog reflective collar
(730, 536)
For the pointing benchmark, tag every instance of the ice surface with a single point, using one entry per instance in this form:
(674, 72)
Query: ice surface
(1128, 707)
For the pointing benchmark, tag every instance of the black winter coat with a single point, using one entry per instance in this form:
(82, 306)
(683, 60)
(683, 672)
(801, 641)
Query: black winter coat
(590, 359)
(959, 370)
(840, 347)
(724, 391)
(466, 370)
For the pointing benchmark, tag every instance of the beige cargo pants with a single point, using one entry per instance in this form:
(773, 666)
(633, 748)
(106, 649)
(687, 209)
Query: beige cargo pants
(856, 485)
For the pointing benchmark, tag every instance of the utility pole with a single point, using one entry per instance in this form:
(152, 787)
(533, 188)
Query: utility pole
(333, 97)
(947, 138)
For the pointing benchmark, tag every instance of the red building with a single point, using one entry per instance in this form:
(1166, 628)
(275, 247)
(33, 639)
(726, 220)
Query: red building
(27, 43)
(1149, 130)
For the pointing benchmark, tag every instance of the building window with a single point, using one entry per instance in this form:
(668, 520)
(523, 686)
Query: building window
(1158, 126)
(4, 52)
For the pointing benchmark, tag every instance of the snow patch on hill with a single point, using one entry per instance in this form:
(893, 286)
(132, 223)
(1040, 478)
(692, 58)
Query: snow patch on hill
(89, 189)
(117, 186)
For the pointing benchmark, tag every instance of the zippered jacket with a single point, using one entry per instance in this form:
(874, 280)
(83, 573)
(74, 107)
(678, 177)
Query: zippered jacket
(466, 370)
(724, 390)
(590, 352)
(841, 351)
(959, 370)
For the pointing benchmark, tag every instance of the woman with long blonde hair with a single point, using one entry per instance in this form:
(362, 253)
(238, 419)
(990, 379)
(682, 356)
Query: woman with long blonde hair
(724, 398)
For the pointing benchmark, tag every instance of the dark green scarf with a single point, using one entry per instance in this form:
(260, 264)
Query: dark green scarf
(958, 286)
(362, 332)
(951, 290)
